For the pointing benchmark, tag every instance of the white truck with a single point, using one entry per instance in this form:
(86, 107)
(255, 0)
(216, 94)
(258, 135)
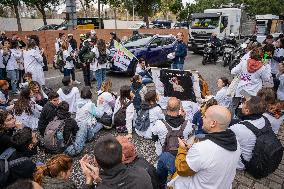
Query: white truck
(220, 21)
(267, 24)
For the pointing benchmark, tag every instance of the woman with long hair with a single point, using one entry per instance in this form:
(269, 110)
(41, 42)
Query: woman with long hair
(33, 62)
(5, 102)
(55, 173)
(26, 110)
(101, 65)
(221, 96)
(38, 94)
(8, 126)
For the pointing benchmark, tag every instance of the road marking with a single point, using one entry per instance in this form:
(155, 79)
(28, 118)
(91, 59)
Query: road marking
(48, 78)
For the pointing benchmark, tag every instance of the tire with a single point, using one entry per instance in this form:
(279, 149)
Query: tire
(225, 63)
(204, 60)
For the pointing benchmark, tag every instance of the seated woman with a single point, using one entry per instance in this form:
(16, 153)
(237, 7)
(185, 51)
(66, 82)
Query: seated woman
(8, 126)
(143, 70)
(124, 112)
(155, 113)
(55, 173)
(221, 96)
(5, 102)
(26, 110)
(38, 95)
(106, 102)
(139, 90)
(86, 117)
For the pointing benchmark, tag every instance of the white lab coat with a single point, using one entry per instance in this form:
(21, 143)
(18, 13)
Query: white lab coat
(33, 63)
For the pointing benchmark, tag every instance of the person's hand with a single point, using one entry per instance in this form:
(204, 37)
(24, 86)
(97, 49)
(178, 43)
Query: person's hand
(129, 136)
(18, 125)
(91, 172)
(183, 144)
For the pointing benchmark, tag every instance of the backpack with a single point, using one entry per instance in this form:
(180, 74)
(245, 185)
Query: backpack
(102, 58)
(267, 153)
(53, 136)
(137, 98)
(6, 165)
(142, 122)
(119, 118)
(171, 141)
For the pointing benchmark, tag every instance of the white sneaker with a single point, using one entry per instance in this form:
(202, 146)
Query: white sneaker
(77, 82)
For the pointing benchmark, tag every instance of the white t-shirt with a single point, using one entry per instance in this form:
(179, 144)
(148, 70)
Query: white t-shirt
(215, 166)
(246, 138)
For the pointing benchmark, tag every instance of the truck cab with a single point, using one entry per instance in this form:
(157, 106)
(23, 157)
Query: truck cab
(220, 21)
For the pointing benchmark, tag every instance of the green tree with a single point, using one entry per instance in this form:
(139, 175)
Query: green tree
(144, 8)
(41, 5)
(14, 5)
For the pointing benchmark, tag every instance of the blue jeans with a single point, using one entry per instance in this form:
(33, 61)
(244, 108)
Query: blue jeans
(100, 77)
(177, 66)
(85, 134)
(146, 80)
(13, 76)
(165, 167)
(68, 72)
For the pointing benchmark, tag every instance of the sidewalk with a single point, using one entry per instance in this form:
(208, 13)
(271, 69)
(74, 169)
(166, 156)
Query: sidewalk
(273, 181)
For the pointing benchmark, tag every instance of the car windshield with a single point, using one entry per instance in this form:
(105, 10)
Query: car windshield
(208, 23)
(138, 43)
(138, 25)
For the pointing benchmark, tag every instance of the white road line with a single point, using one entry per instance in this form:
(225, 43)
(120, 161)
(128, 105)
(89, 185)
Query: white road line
(48, 78)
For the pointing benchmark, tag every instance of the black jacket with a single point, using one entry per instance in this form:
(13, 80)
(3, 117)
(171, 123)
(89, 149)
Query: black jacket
(48, 113)
(122, 177)
(23, 170)
(143, 163)
(70, 128)
(73, 43)
(5, 140)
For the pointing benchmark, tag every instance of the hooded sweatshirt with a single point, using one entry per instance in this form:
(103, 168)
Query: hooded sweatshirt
(55, 183)
(70, 95)
(155, 113)
(252, 75)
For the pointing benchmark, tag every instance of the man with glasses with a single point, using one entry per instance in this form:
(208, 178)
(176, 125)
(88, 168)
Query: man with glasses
(179, 53)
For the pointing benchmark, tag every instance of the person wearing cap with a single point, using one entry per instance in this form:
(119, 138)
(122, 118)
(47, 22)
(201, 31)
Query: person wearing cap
(93, 33)
(82, 39)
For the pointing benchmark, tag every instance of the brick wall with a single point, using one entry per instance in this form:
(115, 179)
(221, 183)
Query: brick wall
(47, 38)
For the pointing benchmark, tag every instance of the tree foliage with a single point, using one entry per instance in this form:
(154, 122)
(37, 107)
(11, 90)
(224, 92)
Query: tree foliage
(14, 5)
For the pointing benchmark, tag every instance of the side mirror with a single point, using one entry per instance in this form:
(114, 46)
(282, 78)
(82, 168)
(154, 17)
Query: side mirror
(153, 45)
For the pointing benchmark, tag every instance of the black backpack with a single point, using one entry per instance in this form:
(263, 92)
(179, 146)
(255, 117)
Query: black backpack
(267, 153)
(171, 141)
(120, 116)
(6, 165)
(102, 59)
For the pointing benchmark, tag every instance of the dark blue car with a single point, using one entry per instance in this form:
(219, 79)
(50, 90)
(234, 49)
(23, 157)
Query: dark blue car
(154, 49)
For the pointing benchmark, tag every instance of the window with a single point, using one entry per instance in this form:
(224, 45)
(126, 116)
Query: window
(158, 41)
(224, 23)
(168, 41)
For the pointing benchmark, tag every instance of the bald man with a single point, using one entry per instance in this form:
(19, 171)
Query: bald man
(174, 121)
(212, 162)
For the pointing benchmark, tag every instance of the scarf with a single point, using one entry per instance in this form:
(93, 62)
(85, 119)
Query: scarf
(225, 139)
(174, 121)
(253, 65)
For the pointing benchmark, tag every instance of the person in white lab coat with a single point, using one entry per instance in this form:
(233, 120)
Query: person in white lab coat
(33, 62)
(221, 96)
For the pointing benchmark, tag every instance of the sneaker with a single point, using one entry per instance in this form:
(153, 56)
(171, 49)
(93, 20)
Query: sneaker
(77, 82)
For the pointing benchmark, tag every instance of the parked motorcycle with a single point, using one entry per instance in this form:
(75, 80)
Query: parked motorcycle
(228, 54)
(208, 54)
(238, 54)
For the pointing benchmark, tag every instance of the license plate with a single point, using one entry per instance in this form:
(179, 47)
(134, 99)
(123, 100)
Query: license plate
(200, 45)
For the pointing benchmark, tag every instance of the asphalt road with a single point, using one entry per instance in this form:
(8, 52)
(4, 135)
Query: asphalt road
(209, 72)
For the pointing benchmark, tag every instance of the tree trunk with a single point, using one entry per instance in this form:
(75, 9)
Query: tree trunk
(15, 6)
(146, 19)
(43, 13)
(115, 23)
(84, 8)
(99, 10)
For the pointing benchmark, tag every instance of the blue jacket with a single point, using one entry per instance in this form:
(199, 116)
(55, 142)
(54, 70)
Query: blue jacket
(180, 53)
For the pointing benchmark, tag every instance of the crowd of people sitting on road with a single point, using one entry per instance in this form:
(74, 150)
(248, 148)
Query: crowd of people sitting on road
(234, 130)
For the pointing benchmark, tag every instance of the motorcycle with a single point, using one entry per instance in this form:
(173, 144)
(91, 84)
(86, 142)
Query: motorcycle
(208, 54)
(228, 54)
(238, 54)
